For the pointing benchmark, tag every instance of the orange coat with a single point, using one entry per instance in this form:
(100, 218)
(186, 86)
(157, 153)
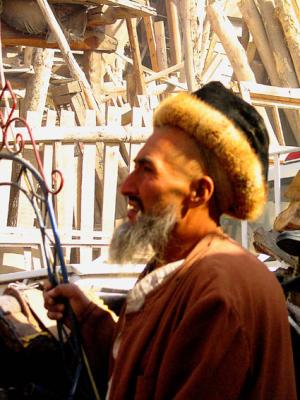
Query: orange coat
(216, 329)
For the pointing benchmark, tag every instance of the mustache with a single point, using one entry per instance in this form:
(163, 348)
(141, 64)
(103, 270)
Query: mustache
(136, 200)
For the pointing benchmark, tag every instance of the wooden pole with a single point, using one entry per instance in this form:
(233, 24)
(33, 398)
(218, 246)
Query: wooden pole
(204, 45)
(283, 61)
(92, 40)
(197, 11)
(235, 53)
(187, 41)
(254, 21)
(149, 27)
(28, 53)
(291, 28)
(38, 84)
(161, 48)
(233, 48)
(210, 51)
(255, 24)
(136, 55)
(74, 68)
(174, 31)
(94, 71)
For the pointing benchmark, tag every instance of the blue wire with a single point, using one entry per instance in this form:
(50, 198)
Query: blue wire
(63, 267)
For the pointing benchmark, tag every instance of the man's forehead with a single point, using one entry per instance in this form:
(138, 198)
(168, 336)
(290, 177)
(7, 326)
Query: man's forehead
(166, 141)
(169, 146)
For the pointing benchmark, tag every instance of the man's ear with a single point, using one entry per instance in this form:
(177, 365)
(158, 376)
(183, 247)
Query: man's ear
(201, 191)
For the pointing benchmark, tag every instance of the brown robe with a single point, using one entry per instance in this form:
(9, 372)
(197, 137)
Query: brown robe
(216, 329)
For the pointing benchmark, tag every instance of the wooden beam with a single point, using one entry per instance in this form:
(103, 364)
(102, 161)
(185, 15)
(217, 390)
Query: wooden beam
(187, 40)
(273, 93)
(38, 84)
(174, 31)
(104, 133)
(161, 48)
(96, 16)
(129, 4)
(204, 45)
(149, 27)
(93, 66)
(291, 28)
(75, 71)
(253, 19)
(136, 55)
(233, 48)
(157, 75)
(92, 41)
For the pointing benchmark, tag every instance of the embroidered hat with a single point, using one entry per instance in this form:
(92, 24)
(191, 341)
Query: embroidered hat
(231, 130)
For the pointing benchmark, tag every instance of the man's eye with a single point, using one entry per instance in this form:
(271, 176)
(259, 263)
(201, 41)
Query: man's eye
(147, 168)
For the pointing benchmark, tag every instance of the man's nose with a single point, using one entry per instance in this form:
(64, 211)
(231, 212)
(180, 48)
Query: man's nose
(128, 187)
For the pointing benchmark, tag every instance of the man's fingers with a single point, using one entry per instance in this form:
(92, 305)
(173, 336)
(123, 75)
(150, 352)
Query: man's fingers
(55, 315)
(66, 290)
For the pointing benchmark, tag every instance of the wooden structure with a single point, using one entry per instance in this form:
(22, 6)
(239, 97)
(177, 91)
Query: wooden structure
(85, 221)
(70, 96)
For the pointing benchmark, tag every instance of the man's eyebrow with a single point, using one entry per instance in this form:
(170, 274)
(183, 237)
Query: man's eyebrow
(144, 160)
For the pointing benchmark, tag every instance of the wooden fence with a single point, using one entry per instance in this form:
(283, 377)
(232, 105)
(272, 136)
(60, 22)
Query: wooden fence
(94, 160)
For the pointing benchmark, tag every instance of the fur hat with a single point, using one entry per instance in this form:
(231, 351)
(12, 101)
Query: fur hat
(233, 131)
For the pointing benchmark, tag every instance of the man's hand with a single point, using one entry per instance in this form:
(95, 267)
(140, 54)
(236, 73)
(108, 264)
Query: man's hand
(55, 301)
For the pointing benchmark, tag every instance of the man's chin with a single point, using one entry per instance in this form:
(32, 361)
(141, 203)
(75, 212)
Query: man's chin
(132, 216)
(133, 239)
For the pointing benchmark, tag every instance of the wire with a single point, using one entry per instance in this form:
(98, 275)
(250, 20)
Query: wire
(29, 176)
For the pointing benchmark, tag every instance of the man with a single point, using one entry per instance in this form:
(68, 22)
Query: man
(206, 319)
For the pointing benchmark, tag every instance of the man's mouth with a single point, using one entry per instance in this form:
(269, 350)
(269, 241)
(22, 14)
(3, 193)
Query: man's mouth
(135, 206)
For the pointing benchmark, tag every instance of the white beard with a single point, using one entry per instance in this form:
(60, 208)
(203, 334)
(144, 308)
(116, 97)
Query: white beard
(133, 240)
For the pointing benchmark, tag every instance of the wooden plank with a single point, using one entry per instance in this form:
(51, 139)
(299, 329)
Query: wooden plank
(149, 27)
(163, 74)
(105, 133)
(273, 93)
(110, 181)
(97, 17)
(48, 150)
(147, 113)
(136, 55)
(153, 75)
(65, 199)
(135, 148)
(75, 71)
(278, 127)
(211, 68)
(66, 88)
(5, 176)
(93, 40)
(79, 107)
(204, 44)
(110, 187)
(25, 213)
(88, 192)
(129, 4)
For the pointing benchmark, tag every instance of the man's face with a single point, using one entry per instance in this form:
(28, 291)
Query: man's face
(156, 191)
(159, 179)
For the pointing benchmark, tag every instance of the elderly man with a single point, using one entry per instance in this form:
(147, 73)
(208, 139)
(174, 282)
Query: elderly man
(206, 320)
